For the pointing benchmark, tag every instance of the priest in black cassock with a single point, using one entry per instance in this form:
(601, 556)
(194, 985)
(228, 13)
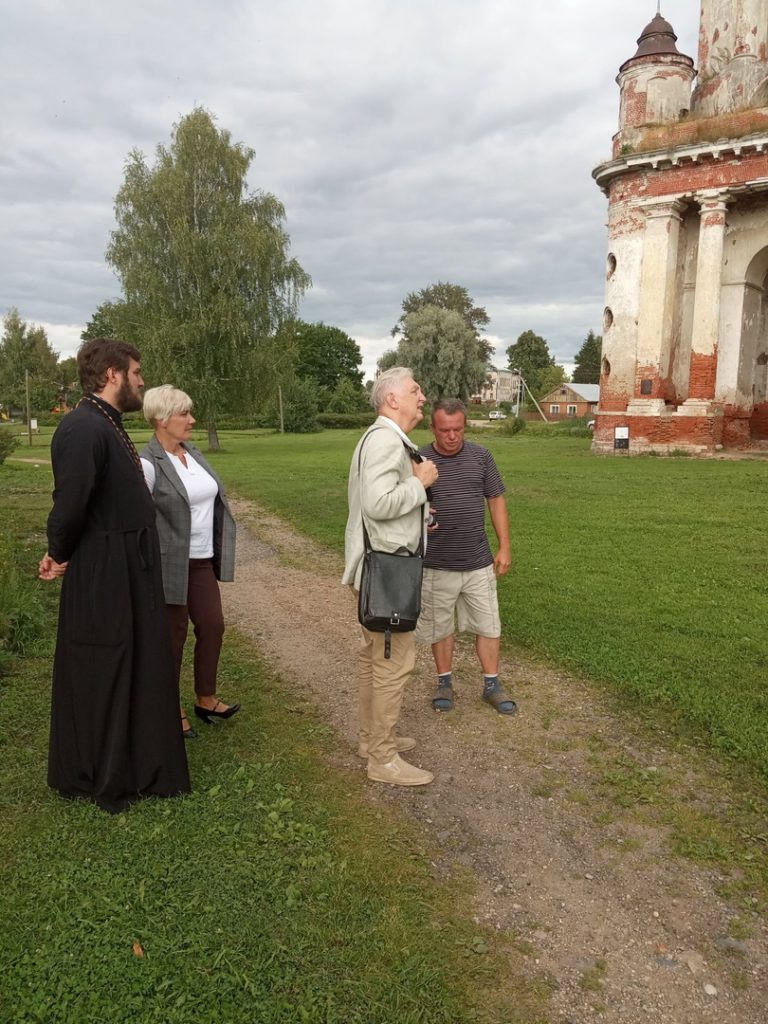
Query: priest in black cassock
(115, 730)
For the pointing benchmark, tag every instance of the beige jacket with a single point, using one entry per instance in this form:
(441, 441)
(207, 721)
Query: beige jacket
(393, 501)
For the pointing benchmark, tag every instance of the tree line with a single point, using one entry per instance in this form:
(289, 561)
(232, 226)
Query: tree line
(210, 294)
(27, 360)
(531, 356)
(320, 369)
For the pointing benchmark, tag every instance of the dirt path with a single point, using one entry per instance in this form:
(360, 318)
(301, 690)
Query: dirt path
(627, 932)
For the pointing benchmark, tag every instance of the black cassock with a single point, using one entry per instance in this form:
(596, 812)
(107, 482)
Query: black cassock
(115, 729)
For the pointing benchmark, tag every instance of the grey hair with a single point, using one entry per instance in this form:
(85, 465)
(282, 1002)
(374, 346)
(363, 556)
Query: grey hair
(386, 383)
(163, 402)
(450, 406)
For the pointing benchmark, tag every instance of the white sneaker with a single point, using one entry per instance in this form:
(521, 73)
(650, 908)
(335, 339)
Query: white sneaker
(402, 743)
(398, 772)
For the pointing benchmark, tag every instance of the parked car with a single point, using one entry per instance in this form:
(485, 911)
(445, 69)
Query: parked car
(497, 414)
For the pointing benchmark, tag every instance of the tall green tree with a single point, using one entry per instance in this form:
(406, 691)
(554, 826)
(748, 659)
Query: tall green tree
(205, 268)
(389, 359)
(300, 403)
(439, 332)
(446, 356)
(530, 355)
(587, 360)
(447, 296)
(549, 378)
(68, 380)
(25, 347)
(327, 355)
(109, 320)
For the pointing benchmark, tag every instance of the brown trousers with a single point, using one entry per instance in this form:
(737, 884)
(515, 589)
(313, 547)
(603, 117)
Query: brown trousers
(203, 607)
(382, 681)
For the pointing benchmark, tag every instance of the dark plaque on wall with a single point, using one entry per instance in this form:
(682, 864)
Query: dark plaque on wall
(646, 387)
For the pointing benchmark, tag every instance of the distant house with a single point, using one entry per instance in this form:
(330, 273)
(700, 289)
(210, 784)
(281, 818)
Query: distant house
(571, 400)
(500, 386)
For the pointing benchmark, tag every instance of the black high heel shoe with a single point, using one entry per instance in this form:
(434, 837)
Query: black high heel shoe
(207, 715)
(189, 732)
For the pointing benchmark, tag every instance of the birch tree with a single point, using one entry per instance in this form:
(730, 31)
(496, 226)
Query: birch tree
(205, 268)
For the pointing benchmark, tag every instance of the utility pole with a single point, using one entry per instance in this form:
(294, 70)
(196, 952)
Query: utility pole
(29, 412)
(531, 396)
(280, 407)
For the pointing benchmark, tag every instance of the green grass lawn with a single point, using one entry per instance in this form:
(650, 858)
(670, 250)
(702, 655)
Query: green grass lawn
(646, 573)
(274, 894)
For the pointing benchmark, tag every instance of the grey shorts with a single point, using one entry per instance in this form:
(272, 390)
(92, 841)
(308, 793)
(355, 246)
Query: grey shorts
(469, 597)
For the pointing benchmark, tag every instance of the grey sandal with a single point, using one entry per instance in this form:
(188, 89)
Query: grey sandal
(501, 702)
(443, 699)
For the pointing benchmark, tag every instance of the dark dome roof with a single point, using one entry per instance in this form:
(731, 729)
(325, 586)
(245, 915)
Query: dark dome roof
(657, 37)
(656, 40)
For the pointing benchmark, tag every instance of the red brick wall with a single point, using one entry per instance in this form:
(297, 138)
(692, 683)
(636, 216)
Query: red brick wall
(759, 421)
(702, 375)
(689, 177)
(664, 432)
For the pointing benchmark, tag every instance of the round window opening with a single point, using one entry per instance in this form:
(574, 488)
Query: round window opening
(605, 367)
(610, 266)
(607, 319)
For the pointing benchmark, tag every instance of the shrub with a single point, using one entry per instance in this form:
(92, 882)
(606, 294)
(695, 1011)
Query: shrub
(21, 614)
(513, 425)
(49, 419)
(570, 427)
(236, 421)
(346, 420)
(8, 442)
(300, 408)
(347, 397)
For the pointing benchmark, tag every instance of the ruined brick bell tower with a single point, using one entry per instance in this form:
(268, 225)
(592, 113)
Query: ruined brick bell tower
(685, 327)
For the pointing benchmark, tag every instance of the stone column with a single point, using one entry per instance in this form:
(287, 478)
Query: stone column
(656, 309)
(706, 303)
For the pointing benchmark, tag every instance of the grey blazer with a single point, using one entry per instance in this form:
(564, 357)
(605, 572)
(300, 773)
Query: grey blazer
(174, 519)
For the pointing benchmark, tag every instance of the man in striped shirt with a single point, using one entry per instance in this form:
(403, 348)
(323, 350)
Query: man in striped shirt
(459, 568)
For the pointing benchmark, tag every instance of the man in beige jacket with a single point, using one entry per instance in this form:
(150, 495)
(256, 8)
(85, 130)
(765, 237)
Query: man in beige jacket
(389, 489)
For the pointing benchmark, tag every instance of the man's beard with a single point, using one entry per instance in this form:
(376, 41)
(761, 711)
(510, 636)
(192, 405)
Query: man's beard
(127, 399)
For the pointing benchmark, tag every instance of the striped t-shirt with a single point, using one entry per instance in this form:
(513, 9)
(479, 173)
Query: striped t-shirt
(466, 480)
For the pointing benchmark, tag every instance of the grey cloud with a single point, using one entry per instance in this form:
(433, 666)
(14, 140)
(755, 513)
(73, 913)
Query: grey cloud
(408, 142)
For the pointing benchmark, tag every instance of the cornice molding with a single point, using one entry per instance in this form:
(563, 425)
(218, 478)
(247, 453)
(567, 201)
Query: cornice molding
(673, 156)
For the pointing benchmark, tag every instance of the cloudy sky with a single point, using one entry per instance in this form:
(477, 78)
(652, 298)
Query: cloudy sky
(411, 141)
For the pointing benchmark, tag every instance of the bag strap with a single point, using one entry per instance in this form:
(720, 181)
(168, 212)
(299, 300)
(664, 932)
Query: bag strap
(415, 457)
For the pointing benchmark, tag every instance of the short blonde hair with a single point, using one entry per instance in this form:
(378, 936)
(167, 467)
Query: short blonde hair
(163, 402)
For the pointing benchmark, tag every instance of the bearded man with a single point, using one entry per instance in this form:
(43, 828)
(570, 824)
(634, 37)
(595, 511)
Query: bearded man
(115, 730)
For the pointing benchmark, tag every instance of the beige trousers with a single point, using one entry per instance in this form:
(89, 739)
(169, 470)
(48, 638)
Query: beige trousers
(382, 681)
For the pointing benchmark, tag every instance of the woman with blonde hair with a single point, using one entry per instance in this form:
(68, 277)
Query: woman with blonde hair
(197, 543)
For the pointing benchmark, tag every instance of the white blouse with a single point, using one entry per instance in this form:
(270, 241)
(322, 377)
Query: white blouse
(201, 491)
